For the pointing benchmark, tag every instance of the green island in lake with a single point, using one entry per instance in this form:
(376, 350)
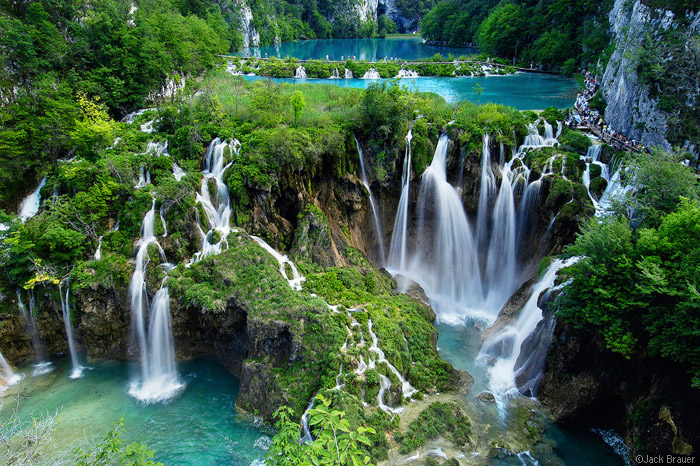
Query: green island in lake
(440, 232)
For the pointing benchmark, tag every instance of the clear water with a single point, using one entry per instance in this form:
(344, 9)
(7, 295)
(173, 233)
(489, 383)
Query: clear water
(574, 445)
(524, 91)
(199, 428)
(405, 48)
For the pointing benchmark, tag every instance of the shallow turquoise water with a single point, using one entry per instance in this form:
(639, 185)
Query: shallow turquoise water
(575, 445)
(524, 91)
(406, 48)
(200, 427)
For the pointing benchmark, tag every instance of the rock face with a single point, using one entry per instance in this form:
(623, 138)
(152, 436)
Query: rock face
(648, 401)
(251, 37)
(631, 109)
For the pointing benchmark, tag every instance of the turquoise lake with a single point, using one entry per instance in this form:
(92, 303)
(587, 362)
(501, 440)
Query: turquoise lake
(200, 427)
(405, 48)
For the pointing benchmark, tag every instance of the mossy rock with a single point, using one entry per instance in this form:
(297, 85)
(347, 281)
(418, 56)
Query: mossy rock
(437, 420)
(598, 186)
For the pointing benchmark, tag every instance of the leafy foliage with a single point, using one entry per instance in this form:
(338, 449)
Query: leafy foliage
(439, 419)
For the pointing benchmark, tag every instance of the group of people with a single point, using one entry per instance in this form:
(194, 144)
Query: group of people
(584, 115)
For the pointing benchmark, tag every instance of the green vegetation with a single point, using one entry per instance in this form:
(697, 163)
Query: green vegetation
(560, 34)
(636, 285)
(437, 420)
(337, 443)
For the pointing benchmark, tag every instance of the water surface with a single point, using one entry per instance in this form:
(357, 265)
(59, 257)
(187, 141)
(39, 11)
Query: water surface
(524, 91)
(198, 428)
(405, 48)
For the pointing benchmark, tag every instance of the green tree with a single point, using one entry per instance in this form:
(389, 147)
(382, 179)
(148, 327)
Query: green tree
(503, 31)
(298, 105)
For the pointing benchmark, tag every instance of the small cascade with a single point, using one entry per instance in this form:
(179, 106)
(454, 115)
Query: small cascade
(375, 210)
(178, 172)
(560, 127)
(407, 74)
(304, 424)
(144, 178)
(30, 205)
(399, 236)
(361, 366)
(77, 371)
(233, 69)
(504, 347)
(384, 386)
(335, 74)
(162, 222)
(216, 207)
(98, 252)
(300, 72)
(160, 380)
(338, 385)
(7, 375)
(371, 74)
(406, 389)
(348, 74)
(41, 363)
(296, 280)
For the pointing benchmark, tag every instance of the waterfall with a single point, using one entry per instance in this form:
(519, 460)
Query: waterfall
(504, 347)
(300, 72)
(178, 172)
(407, 74)
(7, 375)
(501, 267)
(335, 74)
(304, 423)
(375, 210)
(30, 205)
(162, 222)
(144, 178)
(296, 280)
(486, 191)
(41, 364)
(348, 74)
(218, 206)
(159, 380)
(399, 237)
(371, 74)
(77, 371)
(406, 389)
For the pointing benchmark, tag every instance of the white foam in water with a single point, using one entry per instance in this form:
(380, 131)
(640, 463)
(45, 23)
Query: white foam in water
(300, 72)
(30, 204)
(217, 207)
(371, 74)
(296, 280)
(503, 348)
(7, 375)
(617, 443)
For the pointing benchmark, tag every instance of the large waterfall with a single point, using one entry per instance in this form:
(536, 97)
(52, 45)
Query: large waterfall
(77, 371)
(218, 206)
(158, 379)
(503, 348)
(399, 236)
(375, 211)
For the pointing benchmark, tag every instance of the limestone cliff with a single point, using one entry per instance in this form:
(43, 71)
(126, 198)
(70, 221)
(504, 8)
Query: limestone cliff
(650, 82)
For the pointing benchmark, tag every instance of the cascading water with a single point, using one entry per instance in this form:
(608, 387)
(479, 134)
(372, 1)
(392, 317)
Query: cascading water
(503, 348)
(219, 214)
(335, 74)
(399, 236)
(296, 280)
(375, 210)
(445, 263)
(30, 204)
(407, 74)
(41, 363)
(77, 371)
(158, 380)
(7, 375)
(371, 74)
(486, 191)
(300, 72)
(348, 74)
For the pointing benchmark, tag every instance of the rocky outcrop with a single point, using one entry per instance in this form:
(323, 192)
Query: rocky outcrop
(633, 108)
(649, 401)
(251, 37)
